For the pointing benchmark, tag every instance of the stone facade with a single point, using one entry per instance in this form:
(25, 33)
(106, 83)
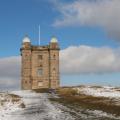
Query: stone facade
(40, 65)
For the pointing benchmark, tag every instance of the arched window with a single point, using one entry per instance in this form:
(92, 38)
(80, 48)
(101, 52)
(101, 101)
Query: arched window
(40, 65)
(54, 56)
(40, 72)
(54, 70)
(40, 57)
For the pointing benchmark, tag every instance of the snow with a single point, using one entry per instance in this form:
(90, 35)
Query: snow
(38, 107)
(104, 91)
(7, 105)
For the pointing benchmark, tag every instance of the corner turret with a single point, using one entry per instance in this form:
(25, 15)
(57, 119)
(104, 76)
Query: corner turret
(26, 42)
(54, 43)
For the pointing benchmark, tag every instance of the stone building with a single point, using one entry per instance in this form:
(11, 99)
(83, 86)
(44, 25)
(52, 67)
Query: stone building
(40, 65)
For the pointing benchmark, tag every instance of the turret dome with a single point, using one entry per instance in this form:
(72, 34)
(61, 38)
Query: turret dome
(54, 40)
(26, 39)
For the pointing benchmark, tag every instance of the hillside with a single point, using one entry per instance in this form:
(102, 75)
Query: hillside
(73, 103)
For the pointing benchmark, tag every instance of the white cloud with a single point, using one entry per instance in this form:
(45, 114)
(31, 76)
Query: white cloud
(10, 72)
(86, 59)
(73, 60)
(103, 13)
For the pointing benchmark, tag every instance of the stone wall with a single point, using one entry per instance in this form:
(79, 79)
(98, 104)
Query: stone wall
(40, 66)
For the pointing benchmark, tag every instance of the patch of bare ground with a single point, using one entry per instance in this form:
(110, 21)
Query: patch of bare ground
(69, 97)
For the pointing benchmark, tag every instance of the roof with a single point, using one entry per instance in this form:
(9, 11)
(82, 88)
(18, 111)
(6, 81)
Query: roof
(26, 39)
(54, 40)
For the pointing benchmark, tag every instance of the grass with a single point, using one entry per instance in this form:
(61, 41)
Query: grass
(69, 96)
(42, 90)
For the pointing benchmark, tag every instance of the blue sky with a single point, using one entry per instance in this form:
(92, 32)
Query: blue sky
(21, 17)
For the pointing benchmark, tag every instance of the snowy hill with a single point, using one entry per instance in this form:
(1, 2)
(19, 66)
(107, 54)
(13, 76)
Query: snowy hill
(28, 105)
(100, 91)
(37, 107)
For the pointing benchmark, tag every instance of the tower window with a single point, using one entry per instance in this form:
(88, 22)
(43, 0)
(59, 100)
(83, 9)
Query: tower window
(40, 65)
(54, 70)
(54, 56)
(40, 72)
(40, 57)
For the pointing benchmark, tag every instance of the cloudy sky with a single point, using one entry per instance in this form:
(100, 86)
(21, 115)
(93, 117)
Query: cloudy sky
(88, 32)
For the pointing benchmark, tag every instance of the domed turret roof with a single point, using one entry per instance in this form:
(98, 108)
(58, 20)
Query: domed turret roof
(54, 40)
(26, 39)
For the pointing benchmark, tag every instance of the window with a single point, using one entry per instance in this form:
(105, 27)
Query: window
(40, 65)
(40, 57)
(54, 70)
(40, 72)
(54, 56)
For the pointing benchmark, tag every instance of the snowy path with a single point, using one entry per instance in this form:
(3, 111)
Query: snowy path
(38, 107)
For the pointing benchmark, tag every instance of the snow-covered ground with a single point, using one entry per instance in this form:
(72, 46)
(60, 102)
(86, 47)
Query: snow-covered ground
(8, 104)
(39, 107)
(99, 91)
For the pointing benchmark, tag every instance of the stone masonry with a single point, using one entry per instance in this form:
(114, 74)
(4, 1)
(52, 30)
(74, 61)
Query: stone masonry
(40, 65)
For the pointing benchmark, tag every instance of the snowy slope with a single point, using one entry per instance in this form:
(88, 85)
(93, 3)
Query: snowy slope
(7, 105)
(38, 107)
(105, 91)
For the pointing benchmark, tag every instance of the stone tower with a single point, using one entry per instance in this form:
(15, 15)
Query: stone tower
(40, 65)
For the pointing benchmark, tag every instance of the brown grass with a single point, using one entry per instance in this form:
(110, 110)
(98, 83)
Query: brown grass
(66, 92)
(42, 90)
(69, 96)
